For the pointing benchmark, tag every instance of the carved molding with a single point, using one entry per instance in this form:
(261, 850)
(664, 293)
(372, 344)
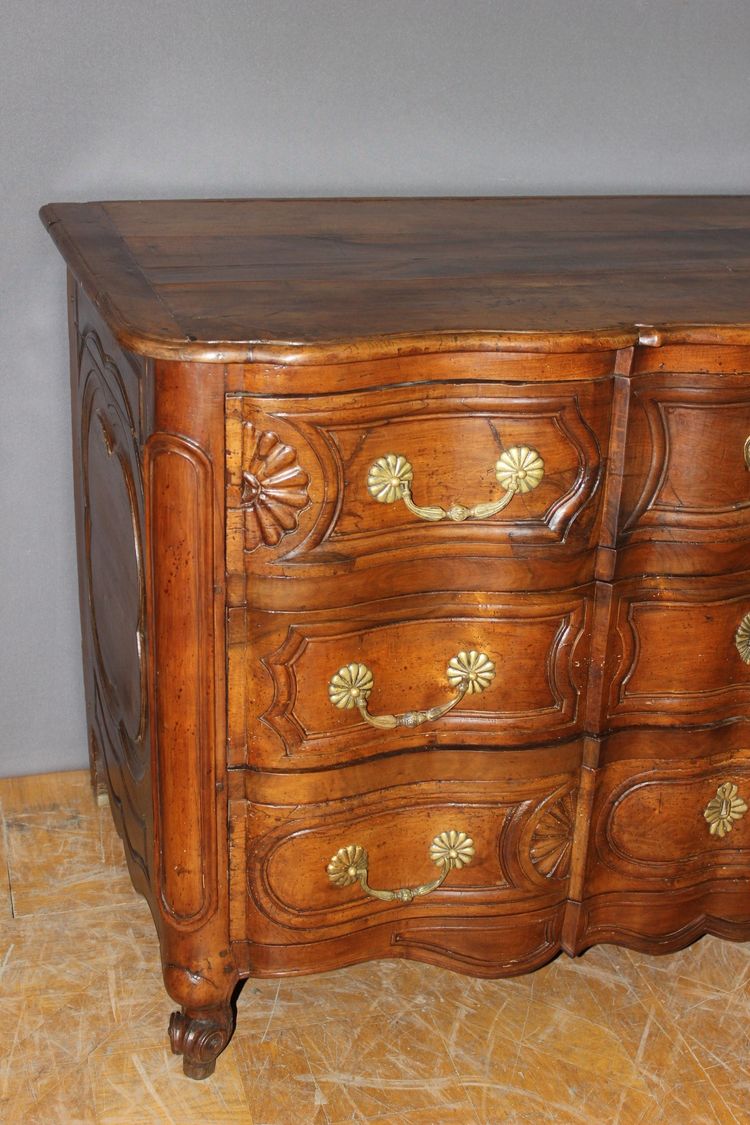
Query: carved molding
(652, 682)
(288, 849)
(483, 950)
(332, 445)
(560, 665)
(653, 510)
(639, 837)
(276, 855)
(180, 534)
(126, 811)
(565, 416)
(111, 566)
(105, 410)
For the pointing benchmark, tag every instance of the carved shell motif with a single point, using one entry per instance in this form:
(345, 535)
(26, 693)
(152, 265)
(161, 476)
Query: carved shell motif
(274, 489)
(742, 638)
(552, 839)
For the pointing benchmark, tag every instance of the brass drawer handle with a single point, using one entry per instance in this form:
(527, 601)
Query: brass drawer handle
(448, 850)
(723, 809)
(518, 470)
(468, 673)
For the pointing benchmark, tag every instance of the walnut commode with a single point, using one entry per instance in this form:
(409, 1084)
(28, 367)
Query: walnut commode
(413, 541)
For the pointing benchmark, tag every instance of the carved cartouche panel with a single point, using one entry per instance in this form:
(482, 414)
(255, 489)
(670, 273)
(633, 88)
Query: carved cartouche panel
(695, 483)
(453, 437)
(673, 652)
(651, 826)
(539, 650)
(113, 517)
(292, 851)
(114, 585)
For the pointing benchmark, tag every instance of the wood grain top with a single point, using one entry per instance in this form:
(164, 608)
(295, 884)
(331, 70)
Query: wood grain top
(316, 280)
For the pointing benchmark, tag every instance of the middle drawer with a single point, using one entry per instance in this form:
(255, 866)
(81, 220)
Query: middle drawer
(312, 689)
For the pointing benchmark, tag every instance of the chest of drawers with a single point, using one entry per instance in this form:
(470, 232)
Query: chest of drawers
(413, 541)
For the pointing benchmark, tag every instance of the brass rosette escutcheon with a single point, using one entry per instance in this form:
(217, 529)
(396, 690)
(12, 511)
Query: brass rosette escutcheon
(350, 686)
(519, 469)
(468, 673)
(724, 809)
(450, 849)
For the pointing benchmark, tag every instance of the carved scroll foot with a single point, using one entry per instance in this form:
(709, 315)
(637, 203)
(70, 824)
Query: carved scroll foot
(200, 1038)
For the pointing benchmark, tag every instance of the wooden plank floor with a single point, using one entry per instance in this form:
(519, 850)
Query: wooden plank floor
(613, 1038)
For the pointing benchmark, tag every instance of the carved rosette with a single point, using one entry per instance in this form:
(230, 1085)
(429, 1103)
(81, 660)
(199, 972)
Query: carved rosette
(274, 488)
(552, 838)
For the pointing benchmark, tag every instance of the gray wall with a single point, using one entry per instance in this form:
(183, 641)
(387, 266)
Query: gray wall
(245, 97)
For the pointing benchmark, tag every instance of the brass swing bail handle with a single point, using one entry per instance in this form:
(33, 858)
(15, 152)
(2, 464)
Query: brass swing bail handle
(448, 850)
(518, 470)
(468, 673)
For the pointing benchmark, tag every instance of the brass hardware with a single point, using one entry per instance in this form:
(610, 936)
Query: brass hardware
(742, 638)
(746, 452)
(448, 850)
(723, 809)
(518, 470)
(468, 673)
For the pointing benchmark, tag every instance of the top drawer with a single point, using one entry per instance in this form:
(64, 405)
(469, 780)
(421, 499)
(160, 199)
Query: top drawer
(686, 489)
(505, 478)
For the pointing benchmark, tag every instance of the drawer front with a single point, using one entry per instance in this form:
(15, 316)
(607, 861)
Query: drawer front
(686, 478)
(678, 652)
(453, 849)
(668, 824)
(295, 679)
(316, 485)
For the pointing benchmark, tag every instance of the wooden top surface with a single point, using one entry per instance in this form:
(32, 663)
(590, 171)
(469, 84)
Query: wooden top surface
(334, 279)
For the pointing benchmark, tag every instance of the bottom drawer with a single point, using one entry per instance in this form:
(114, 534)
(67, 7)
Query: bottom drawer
(496, 839)
(661, 824)
(656, 922)
(501, 946)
